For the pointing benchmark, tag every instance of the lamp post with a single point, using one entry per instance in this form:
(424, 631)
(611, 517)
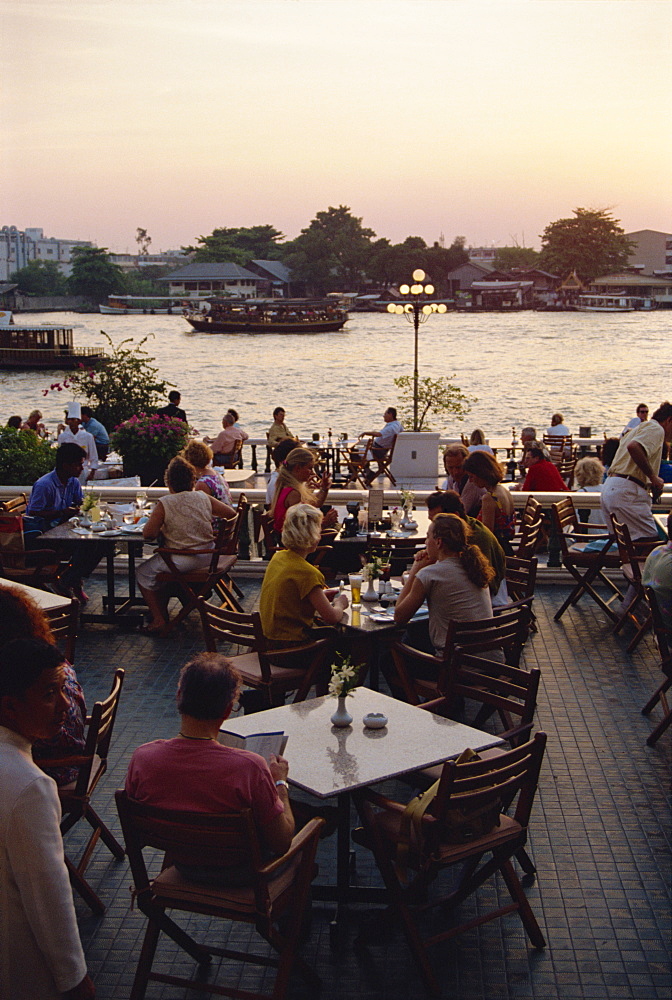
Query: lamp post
(416, 310)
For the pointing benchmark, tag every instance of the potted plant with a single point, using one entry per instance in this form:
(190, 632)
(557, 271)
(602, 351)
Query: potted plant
(147, 443)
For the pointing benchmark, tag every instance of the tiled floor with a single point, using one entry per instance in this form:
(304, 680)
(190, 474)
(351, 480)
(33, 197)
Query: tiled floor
(600, 835)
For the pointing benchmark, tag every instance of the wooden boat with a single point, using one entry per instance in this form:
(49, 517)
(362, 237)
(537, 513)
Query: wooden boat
(142, 305)
(267, 316)
(26, 347)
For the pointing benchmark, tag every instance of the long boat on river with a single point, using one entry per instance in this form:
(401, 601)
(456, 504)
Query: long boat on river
(31, 347)
(143, 305)
(218, 315)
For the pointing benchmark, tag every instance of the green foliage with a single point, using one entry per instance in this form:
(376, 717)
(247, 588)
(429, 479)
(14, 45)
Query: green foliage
(142, 283)
(435, 395)
(119, 386)
(149, 438)
(24, 457)
(508, 257)
(237, 246)
(143, 239)
(392, 264)
(332, 252)
(41, 277)
(592, 244)
(94, 276)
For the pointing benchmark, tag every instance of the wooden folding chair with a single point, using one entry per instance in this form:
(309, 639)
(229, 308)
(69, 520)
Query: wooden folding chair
(454, 832)
(559, 446)
(34, 567)
(525, 541)
(661, 630)
(357, 460)
(76, 798)
(277, 889)
(425, 676)
(275, 672)
(587, 568)
(633, 556)
(64, 623)
(226, 587)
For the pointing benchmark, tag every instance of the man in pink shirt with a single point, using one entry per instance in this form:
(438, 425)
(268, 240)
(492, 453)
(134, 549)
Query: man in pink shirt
(194, 772)
(224, 445)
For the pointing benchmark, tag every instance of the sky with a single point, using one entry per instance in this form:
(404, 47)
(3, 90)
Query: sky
(486, 119)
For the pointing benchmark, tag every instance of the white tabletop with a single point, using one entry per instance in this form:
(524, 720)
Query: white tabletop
(326, 761)
(45, 600)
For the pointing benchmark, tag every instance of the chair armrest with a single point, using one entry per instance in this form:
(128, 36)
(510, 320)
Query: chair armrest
(434, 705)
(299, 841)
(513, 734)
(273, 654)
(416, 654)
(525, 602)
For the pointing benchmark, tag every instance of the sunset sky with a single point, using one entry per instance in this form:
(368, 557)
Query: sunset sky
(485, 118)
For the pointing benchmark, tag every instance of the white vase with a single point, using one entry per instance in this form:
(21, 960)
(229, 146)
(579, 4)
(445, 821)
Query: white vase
(371, 594)
(341, 716)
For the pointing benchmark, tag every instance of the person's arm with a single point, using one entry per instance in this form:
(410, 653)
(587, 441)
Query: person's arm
(322, 492)
(330, 612)
(488, 508)
(35, 858)
(279, 832)
(39, 501)
(409, 602)
(641, 460)
(153, 526)
(221, 509)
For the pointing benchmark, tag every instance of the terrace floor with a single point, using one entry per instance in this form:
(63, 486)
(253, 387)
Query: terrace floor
(600, 835)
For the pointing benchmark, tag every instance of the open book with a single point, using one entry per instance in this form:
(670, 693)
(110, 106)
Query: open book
(264, 744)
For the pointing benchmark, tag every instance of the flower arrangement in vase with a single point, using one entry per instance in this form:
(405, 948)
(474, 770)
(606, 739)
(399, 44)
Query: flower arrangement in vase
(344, 680)
(374, 568)
(407, 501)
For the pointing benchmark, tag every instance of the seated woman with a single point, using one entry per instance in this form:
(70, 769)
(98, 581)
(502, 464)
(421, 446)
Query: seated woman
(477, 442)
(200, 455)
(184, 520)
(497, 511)
(452, 575)
(293, 590)
(291, 487)
(22, 618)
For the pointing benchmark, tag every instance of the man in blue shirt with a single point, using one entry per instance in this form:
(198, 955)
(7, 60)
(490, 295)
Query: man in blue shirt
(55, 498)
(98, 432)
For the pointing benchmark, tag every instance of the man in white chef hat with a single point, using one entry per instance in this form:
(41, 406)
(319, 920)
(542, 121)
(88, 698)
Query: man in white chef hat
(73, 432)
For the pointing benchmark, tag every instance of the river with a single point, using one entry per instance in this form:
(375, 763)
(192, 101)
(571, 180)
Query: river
(521, 368)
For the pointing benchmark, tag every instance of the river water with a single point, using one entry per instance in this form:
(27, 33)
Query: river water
(521, 367)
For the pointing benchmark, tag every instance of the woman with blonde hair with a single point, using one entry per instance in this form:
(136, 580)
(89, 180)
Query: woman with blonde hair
(452, 575)
(589, 474)
(497, 511)
(477, 442)
(293, 590)
(292, 487)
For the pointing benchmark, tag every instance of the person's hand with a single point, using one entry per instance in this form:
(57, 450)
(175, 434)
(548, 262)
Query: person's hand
(83, 991)
(279, 768)
(421, 559)
(330, 518)
(657, 485)
(325, 482)
(340, 601)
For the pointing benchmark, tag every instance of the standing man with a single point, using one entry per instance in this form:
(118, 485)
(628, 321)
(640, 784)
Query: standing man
(97, 431)
(41, 954)
(74, 434)
(642, 415)
(173, 408)
(625, 493)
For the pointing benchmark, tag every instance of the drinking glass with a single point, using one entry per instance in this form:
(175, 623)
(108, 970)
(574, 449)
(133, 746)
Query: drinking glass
(129, 517)
(356, 587)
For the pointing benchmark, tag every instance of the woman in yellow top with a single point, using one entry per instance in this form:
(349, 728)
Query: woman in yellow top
(293, 591)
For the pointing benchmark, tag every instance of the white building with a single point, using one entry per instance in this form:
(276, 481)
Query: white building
(18, 248)
(203, 280)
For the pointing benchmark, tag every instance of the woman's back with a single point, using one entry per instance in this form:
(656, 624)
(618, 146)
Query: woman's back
(188, 520)
(451, 596)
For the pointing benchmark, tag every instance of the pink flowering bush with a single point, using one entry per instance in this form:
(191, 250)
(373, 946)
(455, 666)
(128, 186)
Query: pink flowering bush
(149, 437)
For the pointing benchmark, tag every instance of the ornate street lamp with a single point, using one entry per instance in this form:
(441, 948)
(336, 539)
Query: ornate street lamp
(417, 310)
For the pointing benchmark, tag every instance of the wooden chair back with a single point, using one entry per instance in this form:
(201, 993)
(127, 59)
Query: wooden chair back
(520, 576)
(632, 556)
(565, 467)
(14, 505)
(663, 634)
(34, 567)
(64, 623)
(508, 691)
(526, 540)
(507, 631)
(276, 888)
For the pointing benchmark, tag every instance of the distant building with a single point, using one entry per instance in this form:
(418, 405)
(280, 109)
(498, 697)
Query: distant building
(136, 261)
(204, 280)
(653, 254)
(482, 255)
(18, 248)
(460, 278)
(275, 275)
(645, 286)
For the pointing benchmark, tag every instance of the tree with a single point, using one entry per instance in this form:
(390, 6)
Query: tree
(435, 395)
(332, 252)
(123, 384)
(41, 277)
(24, 457)
(237, 246)
(94, 276)
(143, 239)
(515, 256)
(592, 244)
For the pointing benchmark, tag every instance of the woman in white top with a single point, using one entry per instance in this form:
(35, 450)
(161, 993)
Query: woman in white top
(452, 575)
(184, 519)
